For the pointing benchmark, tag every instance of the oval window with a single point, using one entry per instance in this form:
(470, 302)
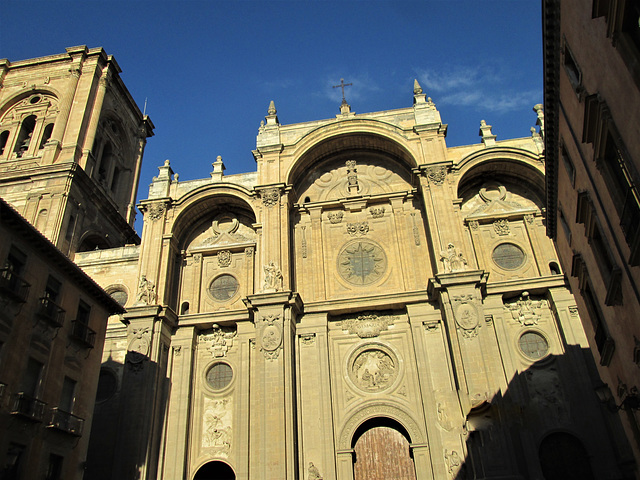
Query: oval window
(224, 287)
(219, 375)
(533, 345)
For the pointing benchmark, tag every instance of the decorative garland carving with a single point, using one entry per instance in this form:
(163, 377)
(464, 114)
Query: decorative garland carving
(335, 217)
(416, 231)
(437, 175)
(304, 242)
(474, 224)
(360, 228)
(377, 212)
(270, 196)
(155, 211)
(529, 218)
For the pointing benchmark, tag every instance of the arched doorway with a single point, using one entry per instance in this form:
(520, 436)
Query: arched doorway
(562, 456)
(215, 471)
(382, 451)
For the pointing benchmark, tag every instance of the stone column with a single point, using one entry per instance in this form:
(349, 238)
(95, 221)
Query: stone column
(273, 436)
(88, 155)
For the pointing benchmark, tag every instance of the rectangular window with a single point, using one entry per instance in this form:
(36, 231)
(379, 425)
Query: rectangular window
(84, 311)
(32, 378)
(52, 290)
(54, 470)
(13, 462)
(572, 69)
(568, 164)
(565, 226)
(67, 397)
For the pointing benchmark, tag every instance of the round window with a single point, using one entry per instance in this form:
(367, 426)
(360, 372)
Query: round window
(119, 296)
(508, 256)
(219, 375)
(533, 345)
(362, 262)
(224, 287)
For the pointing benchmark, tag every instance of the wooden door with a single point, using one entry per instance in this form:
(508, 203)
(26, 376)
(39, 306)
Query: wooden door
(382, 453)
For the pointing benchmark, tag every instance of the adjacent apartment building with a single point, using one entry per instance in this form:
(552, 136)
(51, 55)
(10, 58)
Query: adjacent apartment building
(592, 138)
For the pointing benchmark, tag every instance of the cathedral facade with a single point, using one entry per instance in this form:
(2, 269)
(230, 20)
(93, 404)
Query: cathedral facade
(368, 304)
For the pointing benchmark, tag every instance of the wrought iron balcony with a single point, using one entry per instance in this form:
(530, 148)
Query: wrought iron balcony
(28, 407)
(66, 422)
(51, 312)
(13, 286)
(83, 334)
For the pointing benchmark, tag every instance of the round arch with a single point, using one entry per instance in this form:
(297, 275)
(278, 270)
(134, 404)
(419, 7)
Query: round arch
(357, 134)
(380, 412)
(506, 164)
(202, 201)
(215, 470)
(563, 456)
(10, 102)
(92, 240)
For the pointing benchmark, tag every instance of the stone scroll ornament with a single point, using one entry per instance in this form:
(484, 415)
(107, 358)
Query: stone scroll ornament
(271, 336)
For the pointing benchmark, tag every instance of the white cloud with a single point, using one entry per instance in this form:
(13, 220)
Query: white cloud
(487, 87)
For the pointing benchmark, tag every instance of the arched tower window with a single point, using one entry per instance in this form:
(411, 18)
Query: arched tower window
(563, 456)
(105, 159)
(46, 135)
(4, 136)
(24, 137)
(215, 470)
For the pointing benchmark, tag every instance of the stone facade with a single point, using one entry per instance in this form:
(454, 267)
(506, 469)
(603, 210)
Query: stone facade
(369, 303)
(366, 286)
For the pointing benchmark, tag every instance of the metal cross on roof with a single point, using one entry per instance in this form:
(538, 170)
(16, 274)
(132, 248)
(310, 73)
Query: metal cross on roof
(342, 85)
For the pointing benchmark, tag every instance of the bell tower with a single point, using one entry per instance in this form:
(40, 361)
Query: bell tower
(71, 145)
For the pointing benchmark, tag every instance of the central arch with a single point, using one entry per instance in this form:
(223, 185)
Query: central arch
(382, 451)
(215, 471)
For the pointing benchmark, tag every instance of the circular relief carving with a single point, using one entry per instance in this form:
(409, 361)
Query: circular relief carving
(223, 287)
(362, 262)
(373, 369)
(119, 295)
(508, 256)
(533, 345)
(467, 316)
(219, 376)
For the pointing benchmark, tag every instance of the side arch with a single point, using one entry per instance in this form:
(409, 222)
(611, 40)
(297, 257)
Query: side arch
(10, 102)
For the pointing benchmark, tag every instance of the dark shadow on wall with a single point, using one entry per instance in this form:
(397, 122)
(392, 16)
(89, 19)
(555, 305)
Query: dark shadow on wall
(548, 424)
(127, 420)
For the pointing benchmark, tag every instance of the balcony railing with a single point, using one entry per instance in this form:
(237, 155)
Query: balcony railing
(13, 286)
(51, 312)
(83, 334)
(66, 422)
(27, 407)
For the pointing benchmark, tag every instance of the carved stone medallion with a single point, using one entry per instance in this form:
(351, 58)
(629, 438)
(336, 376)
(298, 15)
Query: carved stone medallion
(271, 336)
(362, 262)
(373, 369)
(224, 258)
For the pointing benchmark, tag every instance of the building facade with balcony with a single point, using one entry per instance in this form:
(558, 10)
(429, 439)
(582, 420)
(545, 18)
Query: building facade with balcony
(52, 328)
(592, 139)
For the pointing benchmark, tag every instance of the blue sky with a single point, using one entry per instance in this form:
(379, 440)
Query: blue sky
(209, 69)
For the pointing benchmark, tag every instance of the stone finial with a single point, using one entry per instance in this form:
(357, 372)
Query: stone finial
(272, 108)
(487, 136)
(272, 117)
(418, 96)
(539, 109)
(417, 89)
(218, 169)
(165, 171)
